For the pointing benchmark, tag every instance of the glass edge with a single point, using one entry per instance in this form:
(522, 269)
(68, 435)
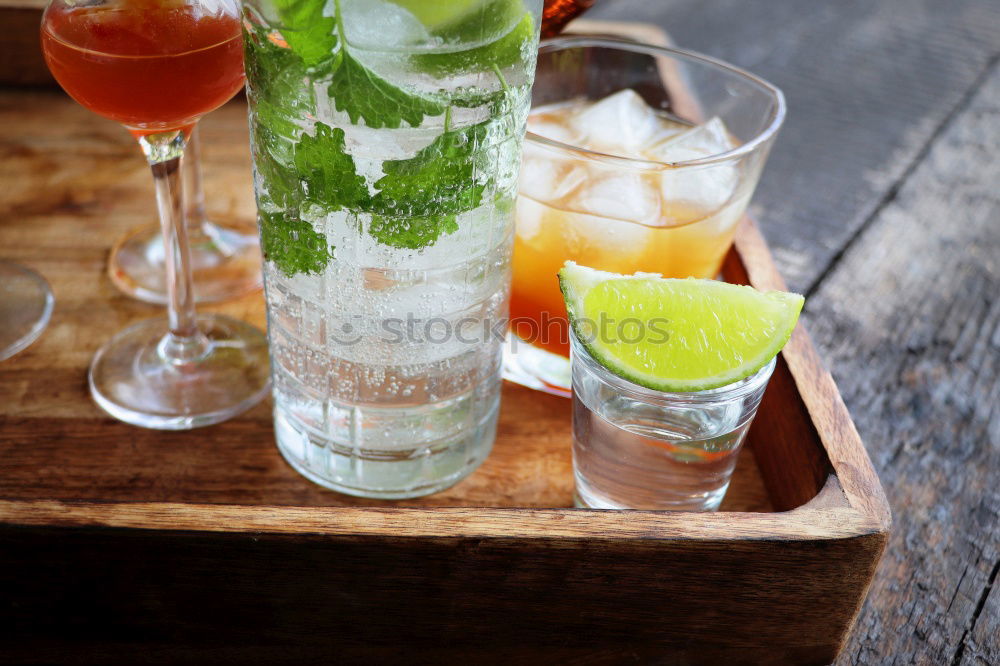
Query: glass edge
(761, 139)
(738, 389)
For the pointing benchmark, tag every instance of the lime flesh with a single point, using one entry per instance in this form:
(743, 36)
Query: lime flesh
(465, 20)
(436, 13)
(676, 335)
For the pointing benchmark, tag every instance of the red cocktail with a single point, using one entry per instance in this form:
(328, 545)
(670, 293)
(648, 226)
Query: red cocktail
(151, 65)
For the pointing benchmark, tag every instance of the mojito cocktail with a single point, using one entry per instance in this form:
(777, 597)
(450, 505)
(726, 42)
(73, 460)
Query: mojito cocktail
(386, 142)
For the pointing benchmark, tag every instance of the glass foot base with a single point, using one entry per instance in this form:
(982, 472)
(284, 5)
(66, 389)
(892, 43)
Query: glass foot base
(25, 307)
(536, 368)
(131, 380)
(225, 262)
(586, 496)
(412, 493)
(386, 474)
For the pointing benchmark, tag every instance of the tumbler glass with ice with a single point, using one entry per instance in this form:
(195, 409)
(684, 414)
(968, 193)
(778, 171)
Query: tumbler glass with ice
(637, 158)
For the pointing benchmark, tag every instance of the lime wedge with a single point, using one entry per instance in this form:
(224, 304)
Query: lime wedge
(676, 335)
(436, 13)
(465, 20)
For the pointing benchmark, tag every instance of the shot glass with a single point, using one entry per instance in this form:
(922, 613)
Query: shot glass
(636, 448)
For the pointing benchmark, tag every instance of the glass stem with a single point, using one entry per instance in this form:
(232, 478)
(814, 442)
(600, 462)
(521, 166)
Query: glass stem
(202, 235)
(183, 343)
(194, 196)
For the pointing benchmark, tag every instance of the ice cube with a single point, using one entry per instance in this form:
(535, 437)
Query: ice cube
(528, 218)
(610, 243)
(374, 24)
(694, 143)
(546, 177)
(551, 130)
(708, 187)
(619, 195)
(622, 124)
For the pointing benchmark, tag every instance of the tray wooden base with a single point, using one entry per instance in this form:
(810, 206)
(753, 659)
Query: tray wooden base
(205, 546)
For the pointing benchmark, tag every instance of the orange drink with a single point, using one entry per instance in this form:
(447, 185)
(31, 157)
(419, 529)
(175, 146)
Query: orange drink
(655, 220)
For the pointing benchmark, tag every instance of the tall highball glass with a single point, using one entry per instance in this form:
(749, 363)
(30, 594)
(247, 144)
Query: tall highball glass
(386, 140)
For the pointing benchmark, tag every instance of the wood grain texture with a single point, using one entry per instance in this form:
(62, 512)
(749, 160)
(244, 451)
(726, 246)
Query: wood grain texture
(452, 600)
(911, 320)
(867, 85)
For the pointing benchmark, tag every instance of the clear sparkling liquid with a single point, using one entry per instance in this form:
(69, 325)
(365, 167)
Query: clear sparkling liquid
(370, 404)
(630, 455)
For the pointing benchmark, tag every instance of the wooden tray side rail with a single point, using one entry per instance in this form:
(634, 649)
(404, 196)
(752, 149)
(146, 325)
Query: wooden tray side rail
(840, 446)
(96, 593)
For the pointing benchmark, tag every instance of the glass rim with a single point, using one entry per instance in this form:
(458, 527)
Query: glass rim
(736, 390)
(582, 41)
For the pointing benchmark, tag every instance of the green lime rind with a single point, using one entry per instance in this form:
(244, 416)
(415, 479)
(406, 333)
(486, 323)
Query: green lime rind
(683, 335)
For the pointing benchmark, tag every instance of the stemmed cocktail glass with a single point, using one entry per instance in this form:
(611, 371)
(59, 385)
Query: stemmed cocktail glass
(25, 307)
(157, 66)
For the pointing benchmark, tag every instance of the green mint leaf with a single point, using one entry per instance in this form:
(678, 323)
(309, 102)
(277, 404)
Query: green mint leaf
(500, 102)
(411, 233)
(292, 244)
(364, 94)
(511, 49)
(279, 99)
(276, 120)
(277, 76)
(327, 172)
(473, 97)
(442, 178)
(484, 20)
(308, 33)
(419, 197)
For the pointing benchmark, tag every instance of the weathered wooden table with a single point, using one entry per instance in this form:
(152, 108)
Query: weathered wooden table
(881, 202)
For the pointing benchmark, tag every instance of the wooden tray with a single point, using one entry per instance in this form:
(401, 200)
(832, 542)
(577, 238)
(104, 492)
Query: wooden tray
(205, 546)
